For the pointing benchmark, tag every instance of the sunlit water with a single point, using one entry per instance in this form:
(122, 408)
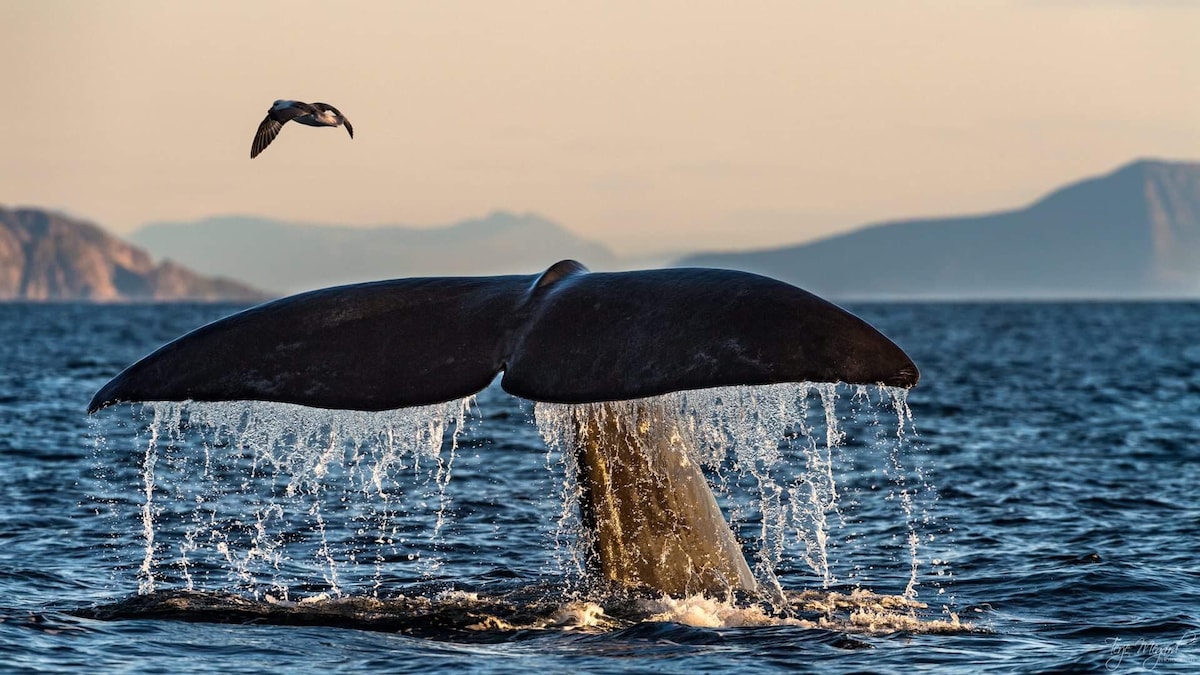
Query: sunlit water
(1042, 490)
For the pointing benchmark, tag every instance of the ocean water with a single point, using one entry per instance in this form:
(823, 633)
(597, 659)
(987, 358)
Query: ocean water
(1032, 505)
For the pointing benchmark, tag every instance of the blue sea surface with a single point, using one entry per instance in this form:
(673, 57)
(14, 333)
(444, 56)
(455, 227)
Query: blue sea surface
(1047, 479)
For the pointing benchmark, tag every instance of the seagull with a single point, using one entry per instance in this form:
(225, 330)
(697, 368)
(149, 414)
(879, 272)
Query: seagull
(310, 114)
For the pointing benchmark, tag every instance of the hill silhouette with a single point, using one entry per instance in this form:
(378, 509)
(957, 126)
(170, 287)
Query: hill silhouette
(45, 256)
(1132, 233)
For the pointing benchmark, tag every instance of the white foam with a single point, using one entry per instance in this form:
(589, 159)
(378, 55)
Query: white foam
(859, 611)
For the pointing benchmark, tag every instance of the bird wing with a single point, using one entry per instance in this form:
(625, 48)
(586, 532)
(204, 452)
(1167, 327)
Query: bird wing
(349, 129)
(267, 131)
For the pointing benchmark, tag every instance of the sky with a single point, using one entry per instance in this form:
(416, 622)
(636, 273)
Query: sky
(648, 126)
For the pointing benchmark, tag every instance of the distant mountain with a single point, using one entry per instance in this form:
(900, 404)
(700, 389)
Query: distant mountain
(47, 256)
(1132, 233)
(290, 257)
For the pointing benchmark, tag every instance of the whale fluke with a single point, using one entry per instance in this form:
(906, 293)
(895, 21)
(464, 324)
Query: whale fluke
(564, 336)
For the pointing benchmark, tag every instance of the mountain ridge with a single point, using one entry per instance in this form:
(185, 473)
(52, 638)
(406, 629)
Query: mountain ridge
(46, 256)
(1131, 233)
(1134, 232)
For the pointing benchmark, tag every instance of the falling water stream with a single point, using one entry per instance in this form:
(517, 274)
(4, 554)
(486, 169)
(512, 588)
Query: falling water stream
(290, 506)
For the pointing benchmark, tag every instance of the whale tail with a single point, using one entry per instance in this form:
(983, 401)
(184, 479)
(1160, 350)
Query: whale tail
(564, 336)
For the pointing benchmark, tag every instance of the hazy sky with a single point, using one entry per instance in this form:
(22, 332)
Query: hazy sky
(645, 125)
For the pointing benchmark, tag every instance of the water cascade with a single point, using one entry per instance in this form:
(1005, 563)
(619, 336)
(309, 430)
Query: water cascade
(283, 502)
(249, 499)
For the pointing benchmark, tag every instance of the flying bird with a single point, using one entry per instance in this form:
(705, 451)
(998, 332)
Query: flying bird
(309, 114)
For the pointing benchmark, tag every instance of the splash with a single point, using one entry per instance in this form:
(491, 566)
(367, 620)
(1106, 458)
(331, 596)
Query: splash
(270, 479)
(465, 617)
(275, 500)
(858, 611)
